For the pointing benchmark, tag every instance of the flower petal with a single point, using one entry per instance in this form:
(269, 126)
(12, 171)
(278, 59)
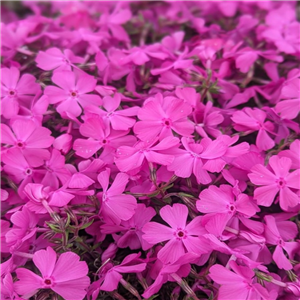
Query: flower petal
(175, 215)
(45, 261)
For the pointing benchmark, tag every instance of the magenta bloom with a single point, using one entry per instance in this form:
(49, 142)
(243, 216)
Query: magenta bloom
(72, 93)
(220, 205)
(100, 136)
(253, 120)
(67, 276)
(239, 284)
(276, 179)
(118, 119)
(132, 229)
(159, 116)
(110, 275)
(30, 138)
(115, 205)
(132, 158)
(283, 29)
(16, 90)
(281, 234)
(53, 58)
(197, 158)
(182, 238)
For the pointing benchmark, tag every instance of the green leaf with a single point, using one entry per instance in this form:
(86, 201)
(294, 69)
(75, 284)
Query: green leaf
(87, 225)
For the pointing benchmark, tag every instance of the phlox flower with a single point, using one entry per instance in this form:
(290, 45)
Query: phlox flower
(253, 120)
(131, 158)
(43, 198)
(7, 288)
(24, 226)
(115, 205)
(118, 119)
(67, 276)
(181, 237)
(110, 275)
(72, 91)
(239, 284)
(283, 29)
(30, 138)
(274, 179)
(57, 172)
(162, 273)
(207, 119)
(140, 55)
(280, 234)
(100, 136)
(16, 90)
(293, 154)
(195, 156)
(289, 108)
(132, 229)
(54, 58)
(20, 170)
(221, 204)
(4, 230)
(114, 21)
(110, 67)
(159, 116)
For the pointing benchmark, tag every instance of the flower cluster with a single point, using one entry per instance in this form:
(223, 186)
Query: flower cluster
(150, 149)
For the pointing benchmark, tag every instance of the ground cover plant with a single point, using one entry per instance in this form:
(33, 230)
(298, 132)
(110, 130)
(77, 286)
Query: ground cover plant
(150, 150)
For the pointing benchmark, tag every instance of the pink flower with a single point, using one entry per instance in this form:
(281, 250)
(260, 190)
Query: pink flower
(67, 276)
(114, 204)
(114, 20)
(276, 179)
(281, 234)
(111, 275)
(132, 158)
(54, 58)
(100, 136)
(16, 91)
(182, 238)
(159, 116)
(224, 204)
(207, 120)
(56, 171)
(162, 273)
(253, 120)
(118, 119)
(30, 138)
(132, 229)
(196, 156)
(293, 154)
(19, 168)
(7, 288)
(283, 29)
(289, 108)
(239, 284)
(24, 226)
(72, 93)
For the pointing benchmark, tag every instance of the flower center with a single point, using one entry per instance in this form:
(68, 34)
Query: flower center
(28, 171)
(281, 242)
(180, 233)
(74, 94)
(12, 93)
(166, 122)
(104, 141)
(48, 281)
(20, 144)
(231, 208)
(281, 182)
